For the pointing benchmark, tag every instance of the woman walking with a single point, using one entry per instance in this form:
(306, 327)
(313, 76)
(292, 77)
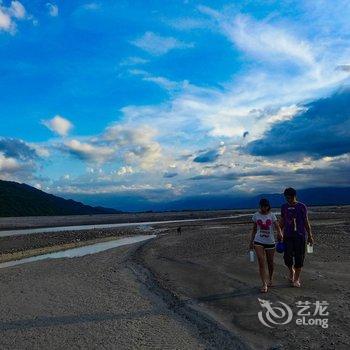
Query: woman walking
(262, 240)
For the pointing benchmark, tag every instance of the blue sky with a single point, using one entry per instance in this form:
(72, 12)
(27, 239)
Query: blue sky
(163, 100)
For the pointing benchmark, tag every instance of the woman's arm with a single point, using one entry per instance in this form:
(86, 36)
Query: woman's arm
(252, 236)
(279, 231)
(281, 221)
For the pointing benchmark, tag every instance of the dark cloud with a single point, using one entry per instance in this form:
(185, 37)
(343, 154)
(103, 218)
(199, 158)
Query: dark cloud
(184, 156)
(217, 166)
(344, 67)
(207, 157)
(337, 173)
(169, 175)
(323, 129)
(17, 149)
(234, 175)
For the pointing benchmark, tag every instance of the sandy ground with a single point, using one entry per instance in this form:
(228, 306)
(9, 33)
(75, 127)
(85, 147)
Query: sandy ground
(207, 268)
(94, 302)
(179, 291)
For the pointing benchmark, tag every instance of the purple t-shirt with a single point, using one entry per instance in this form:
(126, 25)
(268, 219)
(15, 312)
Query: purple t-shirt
(294, 218)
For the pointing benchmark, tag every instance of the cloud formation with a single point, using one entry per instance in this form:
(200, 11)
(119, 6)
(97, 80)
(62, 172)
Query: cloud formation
(267, 42)
(88, 152)
(245, 110)
(58, 125)
(52, 9)
(158, 45)
(210, 156)
(19, 159)
(10, 15)
(323, 129)
(19, 149)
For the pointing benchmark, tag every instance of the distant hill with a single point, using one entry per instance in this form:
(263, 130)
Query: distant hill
(309, 196)
(132, 203)
(316, 196)
(23, 200)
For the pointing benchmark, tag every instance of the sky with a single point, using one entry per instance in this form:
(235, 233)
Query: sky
(158, 101)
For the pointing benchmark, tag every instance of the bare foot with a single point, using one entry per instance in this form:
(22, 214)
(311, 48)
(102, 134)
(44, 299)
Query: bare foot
(296, 284)
(263, 289)
(270, 284)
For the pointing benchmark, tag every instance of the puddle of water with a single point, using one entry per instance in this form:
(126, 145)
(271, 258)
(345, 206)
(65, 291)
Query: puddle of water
(90, 227)
(80, 251)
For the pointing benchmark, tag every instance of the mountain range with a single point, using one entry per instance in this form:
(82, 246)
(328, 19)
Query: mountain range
(23, 200)
(310, 196)
(18, 199)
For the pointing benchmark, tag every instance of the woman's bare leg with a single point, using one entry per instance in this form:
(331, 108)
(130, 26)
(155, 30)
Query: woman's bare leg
(260, 253)
(270, 253)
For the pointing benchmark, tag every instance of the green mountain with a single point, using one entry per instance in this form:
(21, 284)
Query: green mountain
(23, 200)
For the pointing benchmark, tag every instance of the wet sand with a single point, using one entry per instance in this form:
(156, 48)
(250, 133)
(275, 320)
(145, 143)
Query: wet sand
(179, 291)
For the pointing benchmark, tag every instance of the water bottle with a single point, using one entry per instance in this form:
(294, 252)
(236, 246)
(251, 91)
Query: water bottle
(251, 255)
(310, 248)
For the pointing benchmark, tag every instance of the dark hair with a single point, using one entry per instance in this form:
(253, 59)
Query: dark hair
(290, 192)
(264, 203)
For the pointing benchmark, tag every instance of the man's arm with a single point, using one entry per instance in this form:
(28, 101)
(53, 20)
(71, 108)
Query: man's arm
(310, 237)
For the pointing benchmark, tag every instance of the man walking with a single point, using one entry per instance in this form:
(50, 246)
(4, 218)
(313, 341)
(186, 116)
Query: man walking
(296, 232)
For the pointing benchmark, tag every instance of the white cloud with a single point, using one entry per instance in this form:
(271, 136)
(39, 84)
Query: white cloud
(159, 45)
(52, 9)
(125, 170)
(5, 21)
(132, 61)
(188, 23)
(8, 164)
(9, 15)
(91, 6)
(41, 151)
(89, 152)
(159, 80)
(137, 143)
(266, 41)
(122, 142)
(58, 125)
(17, 10)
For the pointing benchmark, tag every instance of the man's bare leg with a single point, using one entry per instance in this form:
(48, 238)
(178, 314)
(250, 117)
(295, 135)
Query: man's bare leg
(296, 280)
(291, 273)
